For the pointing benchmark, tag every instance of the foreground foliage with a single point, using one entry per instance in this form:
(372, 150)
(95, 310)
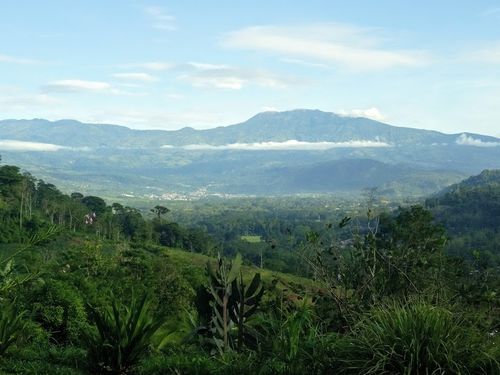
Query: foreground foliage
(124, 333)
(415, 338)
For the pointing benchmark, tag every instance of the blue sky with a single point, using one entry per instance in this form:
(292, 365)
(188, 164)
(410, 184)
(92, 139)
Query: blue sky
(166, 64)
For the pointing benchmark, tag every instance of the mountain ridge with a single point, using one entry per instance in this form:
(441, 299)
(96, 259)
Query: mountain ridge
(301, 125)
(329, 153)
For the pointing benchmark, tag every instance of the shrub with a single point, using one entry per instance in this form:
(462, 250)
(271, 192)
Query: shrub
(59, 308)
(123, 335)
(415, 338)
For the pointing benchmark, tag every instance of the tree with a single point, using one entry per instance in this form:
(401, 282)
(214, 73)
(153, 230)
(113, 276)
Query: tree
(76, 196)
(160, 210)
(401, 255)
(95, 204)
(9, 177)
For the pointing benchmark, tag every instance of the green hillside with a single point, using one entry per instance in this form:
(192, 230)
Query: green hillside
(470, 211)
(89, 287)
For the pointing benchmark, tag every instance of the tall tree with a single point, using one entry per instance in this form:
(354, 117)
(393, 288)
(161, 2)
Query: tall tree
(160, 210)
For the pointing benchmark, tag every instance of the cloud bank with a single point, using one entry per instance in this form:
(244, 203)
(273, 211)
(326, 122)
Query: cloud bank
(11, 145)
(466, 140)
(289, 145)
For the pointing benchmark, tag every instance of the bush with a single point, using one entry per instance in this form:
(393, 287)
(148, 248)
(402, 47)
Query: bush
(122, 337)
(178, 361)
(59, 308)
(45, 359)
(415, 338)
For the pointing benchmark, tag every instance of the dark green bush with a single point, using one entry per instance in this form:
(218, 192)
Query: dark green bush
(60, 309)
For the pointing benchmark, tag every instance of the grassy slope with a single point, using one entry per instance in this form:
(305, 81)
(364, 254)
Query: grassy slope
(195, 263)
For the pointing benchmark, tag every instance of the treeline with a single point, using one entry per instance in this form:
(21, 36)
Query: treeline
(28, 205)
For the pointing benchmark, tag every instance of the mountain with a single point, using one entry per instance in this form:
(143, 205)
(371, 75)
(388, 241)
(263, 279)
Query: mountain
(299, 151)
(300, 125)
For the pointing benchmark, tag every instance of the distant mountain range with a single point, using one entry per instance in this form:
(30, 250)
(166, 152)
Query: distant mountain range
(300, 151)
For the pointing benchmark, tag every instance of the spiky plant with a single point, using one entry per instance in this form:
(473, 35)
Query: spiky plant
(233, 303)
(243, 303)
(123, 335)
(220, 282)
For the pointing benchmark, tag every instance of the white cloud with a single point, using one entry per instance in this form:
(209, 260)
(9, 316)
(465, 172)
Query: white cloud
(82, 86)
(155, 65)
(348, 46)
(466, 140)
(206, 66)
(372, 113)
(16, 60)
(221, 82)
(136, 76)
(284, 146)
(77, 85)
(11, 145)
(487, 53)
(227, 77)
(161, 20)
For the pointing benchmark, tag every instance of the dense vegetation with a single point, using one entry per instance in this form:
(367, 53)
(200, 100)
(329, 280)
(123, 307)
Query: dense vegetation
(87, 287)
(470, 212)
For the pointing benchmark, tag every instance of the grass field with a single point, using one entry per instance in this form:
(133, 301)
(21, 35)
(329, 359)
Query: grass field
(251, 239)
(192, 265)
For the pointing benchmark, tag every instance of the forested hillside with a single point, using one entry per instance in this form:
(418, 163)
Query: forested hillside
(470, 211)
(89, 287)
